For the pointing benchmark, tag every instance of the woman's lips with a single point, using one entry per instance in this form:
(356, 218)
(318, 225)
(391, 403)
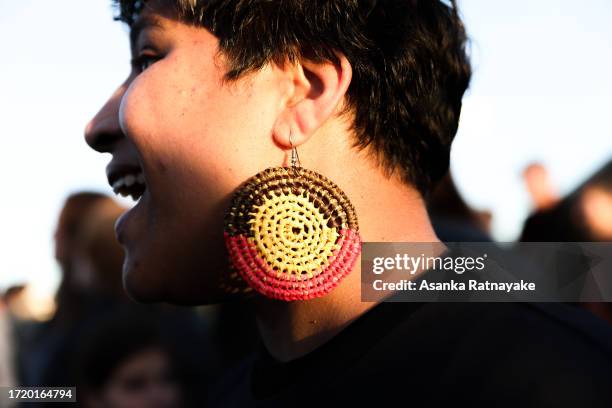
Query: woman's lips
(126, 180)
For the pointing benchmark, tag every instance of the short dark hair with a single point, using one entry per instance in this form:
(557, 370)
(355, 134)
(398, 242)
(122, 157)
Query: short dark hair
(409, 61)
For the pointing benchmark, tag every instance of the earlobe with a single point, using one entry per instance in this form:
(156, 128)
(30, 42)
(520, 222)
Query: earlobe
(319, 88)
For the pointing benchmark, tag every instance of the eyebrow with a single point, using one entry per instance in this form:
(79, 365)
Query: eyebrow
(141, 24)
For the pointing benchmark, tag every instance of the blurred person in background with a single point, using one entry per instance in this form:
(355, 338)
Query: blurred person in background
(585, 215)
(595, 205)
(87, 252)
(18, 303)
(22, 324)
(453, 219)
(126, 362)
(90, 260)
(540, 187)
(7, 366)
(91, 292)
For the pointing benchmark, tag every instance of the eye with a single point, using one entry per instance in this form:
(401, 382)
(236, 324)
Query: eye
(144, 61)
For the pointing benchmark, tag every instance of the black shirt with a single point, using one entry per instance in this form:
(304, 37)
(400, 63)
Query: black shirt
(441, 354)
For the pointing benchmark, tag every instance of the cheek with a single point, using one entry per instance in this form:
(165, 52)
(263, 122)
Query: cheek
(146, 104)
(184, 118)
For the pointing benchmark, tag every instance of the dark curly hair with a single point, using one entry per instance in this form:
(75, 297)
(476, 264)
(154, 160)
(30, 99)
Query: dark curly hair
(409, 61)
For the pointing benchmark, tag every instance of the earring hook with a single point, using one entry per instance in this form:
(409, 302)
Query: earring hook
(295, 158)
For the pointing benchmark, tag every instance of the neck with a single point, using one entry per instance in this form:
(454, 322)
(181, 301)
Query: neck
(388, 211)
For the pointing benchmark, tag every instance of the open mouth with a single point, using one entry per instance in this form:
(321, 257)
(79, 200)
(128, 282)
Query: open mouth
(128, 182)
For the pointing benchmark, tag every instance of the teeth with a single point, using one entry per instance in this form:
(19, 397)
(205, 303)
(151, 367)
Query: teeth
(118, 183)
(121, 184)
(129, 180)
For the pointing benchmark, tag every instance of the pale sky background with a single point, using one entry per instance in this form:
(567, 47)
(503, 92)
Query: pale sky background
(541, 91)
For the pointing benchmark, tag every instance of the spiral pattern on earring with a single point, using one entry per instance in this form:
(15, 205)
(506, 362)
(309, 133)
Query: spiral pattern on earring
(291, 233)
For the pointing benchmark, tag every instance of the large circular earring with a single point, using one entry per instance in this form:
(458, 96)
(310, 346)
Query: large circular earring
(291, 233)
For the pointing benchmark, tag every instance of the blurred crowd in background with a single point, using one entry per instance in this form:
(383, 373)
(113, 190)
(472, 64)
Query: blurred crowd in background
(116, 352)
(119, 353)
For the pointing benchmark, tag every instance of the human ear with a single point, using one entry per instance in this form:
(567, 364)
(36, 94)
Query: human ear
(318, 89)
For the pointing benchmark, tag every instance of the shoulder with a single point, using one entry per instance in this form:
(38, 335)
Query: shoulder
(562, 355)
(524, 327)
(504, 353)
(554, 325)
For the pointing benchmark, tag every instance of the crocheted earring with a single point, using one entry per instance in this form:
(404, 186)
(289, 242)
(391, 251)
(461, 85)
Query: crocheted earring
(291, 233)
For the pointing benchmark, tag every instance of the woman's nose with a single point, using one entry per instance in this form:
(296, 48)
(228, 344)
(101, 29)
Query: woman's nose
(104, 131)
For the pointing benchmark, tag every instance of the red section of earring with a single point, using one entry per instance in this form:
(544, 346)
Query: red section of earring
(258, 274)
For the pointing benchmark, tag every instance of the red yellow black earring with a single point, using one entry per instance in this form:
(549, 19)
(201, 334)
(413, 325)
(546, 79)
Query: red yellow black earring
(291, 233)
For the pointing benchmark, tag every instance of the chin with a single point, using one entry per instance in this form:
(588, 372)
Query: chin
(139, 288)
